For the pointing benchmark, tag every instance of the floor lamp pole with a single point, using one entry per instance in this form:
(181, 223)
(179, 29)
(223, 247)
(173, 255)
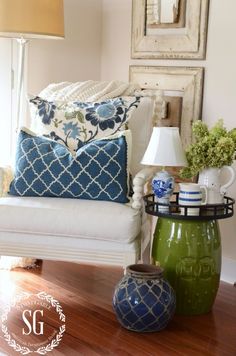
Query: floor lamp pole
(20, 78)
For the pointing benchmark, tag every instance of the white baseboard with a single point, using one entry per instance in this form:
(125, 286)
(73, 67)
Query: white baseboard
(228, 271)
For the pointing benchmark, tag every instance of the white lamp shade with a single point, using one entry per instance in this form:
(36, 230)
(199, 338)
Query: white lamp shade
(32, 18)
(165, 148)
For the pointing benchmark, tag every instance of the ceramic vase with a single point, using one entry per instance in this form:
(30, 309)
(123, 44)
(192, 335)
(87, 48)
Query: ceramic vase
(143, 300)
(210, 177)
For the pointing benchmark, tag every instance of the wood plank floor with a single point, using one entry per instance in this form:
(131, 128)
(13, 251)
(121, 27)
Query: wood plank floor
(85, 293)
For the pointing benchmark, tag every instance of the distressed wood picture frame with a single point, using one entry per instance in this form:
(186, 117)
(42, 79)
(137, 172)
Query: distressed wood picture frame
(187, 42)
(185, 83)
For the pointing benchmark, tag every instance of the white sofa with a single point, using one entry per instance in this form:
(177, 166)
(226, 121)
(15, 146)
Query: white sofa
(81, 230)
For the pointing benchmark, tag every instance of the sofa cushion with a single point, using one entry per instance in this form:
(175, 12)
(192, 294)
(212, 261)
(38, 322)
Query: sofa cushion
(99, 170)
(69, 217)
(75, 123)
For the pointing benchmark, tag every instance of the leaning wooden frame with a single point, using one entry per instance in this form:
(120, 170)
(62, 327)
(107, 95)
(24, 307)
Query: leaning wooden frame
(182, 88)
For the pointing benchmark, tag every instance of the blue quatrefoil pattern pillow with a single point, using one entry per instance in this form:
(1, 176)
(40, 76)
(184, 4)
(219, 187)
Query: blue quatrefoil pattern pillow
(98, 170)
(76, 123)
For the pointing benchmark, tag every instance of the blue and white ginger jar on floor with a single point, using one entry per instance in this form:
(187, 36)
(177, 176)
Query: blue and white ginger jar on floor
(143, 300)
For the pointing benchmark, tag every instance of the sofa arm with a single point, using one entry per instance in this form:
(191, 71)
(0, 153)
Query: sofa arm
(6, 176)
(139, 182)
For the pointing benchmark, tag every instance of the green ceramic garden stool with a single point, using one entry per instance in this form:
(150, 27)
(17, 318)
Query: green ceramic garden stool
(190, 253)
(188, 248)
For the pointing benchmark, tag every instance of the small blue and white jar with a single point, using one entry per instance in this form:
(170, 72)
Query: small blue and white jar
(163, 187)
(143, 300)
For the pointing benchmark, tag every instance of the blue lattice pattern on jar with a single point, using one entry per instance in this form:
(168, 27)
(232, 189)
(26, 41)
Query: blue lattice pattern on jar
(144, 305)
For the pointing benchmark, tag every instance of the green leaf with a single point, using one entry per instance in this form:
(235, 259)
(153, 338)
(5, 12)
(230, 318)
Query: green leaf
(80, 117)
(55, 122)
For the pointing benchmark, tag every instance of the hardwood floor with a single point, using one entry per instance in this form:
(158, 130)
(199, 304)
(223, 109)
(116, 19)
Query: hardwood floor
(85, 294)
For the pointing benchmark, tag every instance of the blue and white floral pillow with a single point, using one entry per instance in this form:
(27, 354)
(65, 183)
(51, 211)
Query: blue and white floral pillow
(76, 123)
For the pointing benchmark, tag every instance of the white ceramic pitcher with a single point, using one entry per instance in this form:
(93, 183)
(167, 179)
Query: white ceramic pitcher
(210, 177)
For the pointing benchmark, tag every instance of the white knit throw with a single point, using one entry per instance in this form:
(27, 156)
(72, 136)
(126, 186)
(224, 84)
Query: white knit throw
(89, 91)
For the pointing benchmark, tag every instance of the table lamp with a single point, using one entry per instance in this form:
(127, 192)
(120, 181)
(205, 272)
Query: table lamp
(164, 149)
(27, 19)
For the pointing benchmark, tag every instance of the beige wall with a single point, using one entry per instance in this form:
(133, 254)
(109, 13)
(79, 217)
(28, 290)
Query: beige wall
(76, 58)
(220, 76)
